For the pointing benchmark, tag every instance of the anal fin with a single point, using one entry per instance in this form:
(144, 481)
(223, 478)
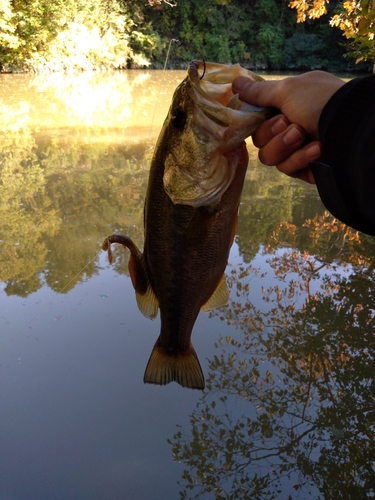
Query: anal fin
(147, 302)
(182, 367)
(219, 298)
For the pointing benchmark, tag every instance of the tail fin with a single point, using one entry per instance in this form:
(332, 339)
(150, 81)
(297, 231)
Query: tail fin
(167, 366)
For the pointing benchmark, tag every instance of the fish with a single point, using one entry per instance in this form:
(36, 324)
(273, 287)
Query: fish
(190, 214)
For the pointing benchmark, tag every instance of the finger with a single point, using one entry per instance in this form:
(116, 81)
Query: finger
(263, 93)
(297, 164)
(282, 145)
(268, 130)
(305, 175)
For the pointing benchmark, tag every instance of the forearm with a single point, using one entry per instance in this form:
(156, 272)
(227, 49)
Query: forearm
(345, 174)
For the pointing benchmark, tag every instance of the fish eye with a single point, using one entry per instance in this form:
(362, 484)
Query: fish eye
(178, 117)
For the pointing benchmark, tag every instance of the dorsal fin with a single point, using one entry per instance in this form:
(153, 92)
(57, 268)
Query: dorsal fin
(219, 298)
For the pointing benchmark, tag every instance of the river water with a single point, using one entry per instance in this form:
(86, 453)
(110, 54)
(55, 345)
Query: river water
(289, 405)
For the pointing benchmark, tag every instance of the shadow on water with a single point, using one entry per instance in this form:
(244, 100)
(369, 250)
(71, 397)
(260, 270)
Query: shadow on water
(289, 406)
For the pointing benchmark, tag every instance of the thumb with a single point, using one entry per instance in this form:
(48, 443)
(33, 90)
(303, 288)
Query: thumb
(256, 93)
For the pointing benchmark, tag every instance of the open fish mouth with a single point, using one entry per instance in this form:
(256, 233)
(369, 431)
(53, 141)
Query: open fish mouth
(216, 122)
(211, 91)
(214, 82)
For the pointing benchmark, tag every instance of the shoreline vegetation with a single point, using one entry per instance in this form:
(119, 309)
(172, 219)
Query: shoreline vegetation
(43, 36)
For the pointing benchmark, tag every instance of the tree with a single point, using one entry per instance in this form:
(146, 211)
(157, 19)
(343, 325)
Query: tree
(8, 39)
(358, 24)
(46, 35)
(252, 33)
(356, 19)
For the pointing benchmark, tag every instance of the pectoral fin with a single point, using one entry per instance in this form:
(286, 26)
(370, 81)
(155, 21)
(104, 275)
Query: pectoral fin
(219, 298)
(146, 299)
(166, 366)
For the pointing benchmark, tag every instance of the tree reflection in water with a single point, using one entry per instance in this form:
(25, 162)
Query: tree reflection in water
(290, 401)
(56, 191)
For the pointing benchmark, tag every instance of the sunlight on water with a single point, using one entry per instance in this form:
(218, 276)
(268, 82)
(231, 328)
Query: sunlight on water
(288, 411)
(127, 100)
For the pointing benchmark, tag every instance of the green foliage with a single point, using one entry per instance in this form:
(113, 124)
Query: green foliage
(261, 34)
(8, 39)
(254, 34)
(316, 45)
(355, 18)
(42, 35)
(357, 21)
(303, 51)
(71, 35)
(271, 44)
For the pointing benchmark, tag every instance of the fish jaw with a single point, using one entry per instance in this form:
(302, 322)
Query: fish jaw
(212, 94)
(211, 123)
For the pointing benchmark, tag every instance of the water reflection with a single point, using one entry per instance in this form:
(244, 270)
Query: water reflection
(290, 401)
(123, 99)
(75, 154)
(290, 398)
(57, 193)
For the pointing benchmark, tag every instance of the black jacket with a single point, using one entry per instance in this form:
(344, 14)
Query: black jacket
(345, 175)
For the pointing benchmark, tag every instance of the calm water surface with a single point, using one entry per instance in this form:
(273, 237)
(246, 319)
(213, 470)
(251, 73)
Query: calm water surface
(289, 407)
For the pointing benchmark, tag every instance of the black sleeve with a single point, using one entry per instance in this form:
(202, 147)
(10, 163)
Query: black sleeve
(345, 175)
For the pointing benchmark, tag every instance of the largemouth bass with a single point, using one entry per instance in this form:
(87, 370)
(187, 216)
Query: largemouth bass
(190, 216)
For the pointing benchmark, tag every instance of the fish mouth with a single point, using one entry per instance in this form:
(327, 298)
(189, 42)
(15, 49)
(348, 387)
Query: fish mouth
(210, 88)
(201, 166)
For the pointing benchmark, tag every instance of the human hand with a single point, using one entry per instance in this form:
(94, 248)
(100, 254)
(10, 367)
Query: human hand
(290, 141)
(284, 145)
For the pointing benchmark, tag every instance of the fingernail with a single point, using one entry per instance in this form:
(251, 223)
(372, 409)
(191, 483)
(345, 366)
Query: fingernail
(279, 127)
(313, 152)
(240, 83)
(292, 136)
